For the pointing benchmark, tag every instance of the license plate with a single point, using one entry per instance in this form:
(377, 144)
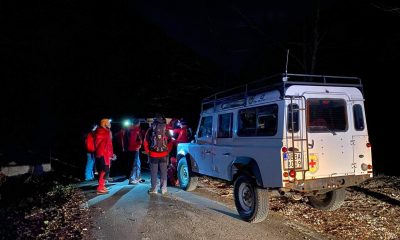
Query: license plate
(293, 160)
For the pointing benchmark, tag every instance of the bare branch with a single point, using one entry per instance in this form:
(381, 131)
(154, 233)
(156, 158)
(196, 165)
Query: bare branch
(387, 8)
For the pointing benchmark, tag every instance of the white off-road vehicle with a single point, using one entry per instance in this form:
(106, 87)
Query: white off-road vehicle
(302, 135)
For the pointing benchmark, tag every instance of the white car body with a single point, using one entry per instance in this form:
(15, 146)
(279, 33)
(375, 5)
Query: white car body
(334, 153)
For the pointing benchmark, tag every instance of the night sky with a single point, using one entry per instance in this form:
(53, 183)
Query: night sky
(67, 64)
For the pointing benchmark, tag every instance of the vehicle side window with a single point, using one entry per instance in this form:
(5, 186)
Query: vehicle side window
(358, 117)
(293, 111)
(225, 125)
(258, 121)
(327, 115)
(205, 129)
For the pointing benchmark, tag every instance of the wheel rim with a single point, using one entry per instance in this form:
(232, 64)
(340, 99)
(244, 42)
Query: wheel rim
(184, 175)
(246, 197)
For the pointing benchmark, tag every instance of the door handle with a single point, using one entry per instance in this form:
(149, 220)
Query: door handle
(207, 151)
(227, 154)
(311, 145)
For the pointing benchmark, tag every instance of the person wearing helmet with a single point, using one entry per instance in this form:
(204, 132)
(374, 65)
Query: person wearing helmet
(104, 153)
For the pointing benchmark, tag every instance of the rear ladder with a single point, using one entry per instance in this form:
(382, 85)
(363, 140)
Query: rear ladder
(297, 141)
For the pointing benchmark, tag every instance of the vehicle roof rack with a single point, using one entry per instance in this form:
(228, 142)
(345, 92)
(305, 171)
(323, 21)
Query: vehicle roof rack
(277, 82)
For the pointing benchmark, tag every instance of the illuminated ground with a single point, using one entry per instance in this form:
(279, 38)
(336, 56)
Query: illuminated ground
(128, 212)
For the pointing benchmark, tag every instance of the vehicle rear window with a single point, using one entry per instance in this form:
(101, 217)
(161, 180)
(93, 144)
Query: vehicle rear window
(358, 117)
(258, 121)
(293, 111)
(327, 115)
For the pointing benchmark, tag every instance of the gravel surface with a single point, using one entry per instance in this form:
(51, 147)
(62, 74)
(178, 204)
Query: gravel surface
(370, 211)
(49, 207)
(128, 212)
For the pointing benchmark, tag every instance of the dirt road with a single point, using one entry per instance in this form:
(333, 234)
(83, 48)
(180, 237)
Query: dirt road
(129, 212)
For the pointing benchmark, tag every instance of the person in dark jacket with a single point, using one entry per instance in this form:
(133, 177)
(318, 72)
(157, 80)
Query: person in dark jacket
(104, 153)
(157, 145)
(121, 150)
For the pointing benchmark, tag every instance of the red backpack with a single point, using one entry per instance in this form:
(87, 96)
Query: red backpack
(89, 142)
(158, 138)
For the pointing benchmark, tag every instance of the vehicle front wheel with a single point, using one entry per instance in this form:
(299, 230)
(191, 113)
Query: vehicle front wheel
(252, 202)
(187, 180)
(328, 201)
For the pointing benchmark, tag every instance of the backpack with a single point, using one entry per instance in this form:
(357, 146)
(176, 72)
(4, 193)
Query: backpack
(89, 142)
(158, 138)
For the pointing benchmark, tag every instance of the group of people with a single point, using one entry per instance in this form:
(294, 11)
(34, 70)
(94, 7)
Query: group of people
(158, 142)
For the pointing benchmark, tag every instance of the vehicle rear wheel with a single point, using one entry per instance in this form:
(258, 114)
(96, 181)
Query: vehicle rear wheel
(328, 201)
(252, 202)
(187, 181)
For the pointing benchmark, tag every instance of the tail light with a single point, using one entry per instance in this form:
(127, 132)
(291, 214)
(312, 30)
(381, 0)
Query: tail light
(286, 174)
(368, 145)
(364, 167)
(284, 149)
(292, 173)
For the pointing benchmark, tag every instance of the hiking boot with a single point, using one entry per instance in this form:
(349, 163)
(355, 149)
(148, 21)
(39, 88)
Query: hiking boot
(163, 191)
(152, 191)
(132, 182)
(102, 191)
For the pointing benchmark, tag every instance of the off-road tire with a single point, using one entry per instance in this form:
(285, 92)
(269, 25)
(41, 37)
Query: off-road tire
(329, 201)
(187, 181)
(252, 202)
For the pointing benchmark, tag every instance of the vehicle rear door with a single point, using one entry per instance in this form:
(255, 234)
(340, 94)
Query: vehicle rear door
(361, 146)
(329, 139)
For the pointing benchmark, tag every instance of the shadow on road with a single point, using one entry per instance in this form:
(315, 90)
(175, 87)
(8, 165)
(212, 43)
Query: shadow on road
(229, 214)
(110, 201)
(92, 186)
(118, 179)
(377, 195)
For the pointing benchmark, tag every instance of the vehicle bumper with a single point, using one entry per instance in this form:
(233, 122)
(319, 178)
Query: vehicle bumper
(325, 184)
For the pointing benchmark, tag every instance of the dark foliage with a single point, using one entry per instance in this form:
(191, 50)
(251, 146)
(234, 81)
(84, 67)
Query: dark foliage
(44, 207)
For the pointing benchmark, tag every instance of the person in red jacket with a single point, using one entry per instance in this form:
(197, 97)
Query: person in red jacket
(183, 136)
(104, 153)
(157, 145)
(90, 149)
(134, 142)
(179, 135)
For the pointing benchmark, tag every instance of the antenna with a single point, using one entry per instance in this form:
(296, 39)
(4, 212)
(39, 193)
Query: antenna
(285, 78)
(287, 60)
